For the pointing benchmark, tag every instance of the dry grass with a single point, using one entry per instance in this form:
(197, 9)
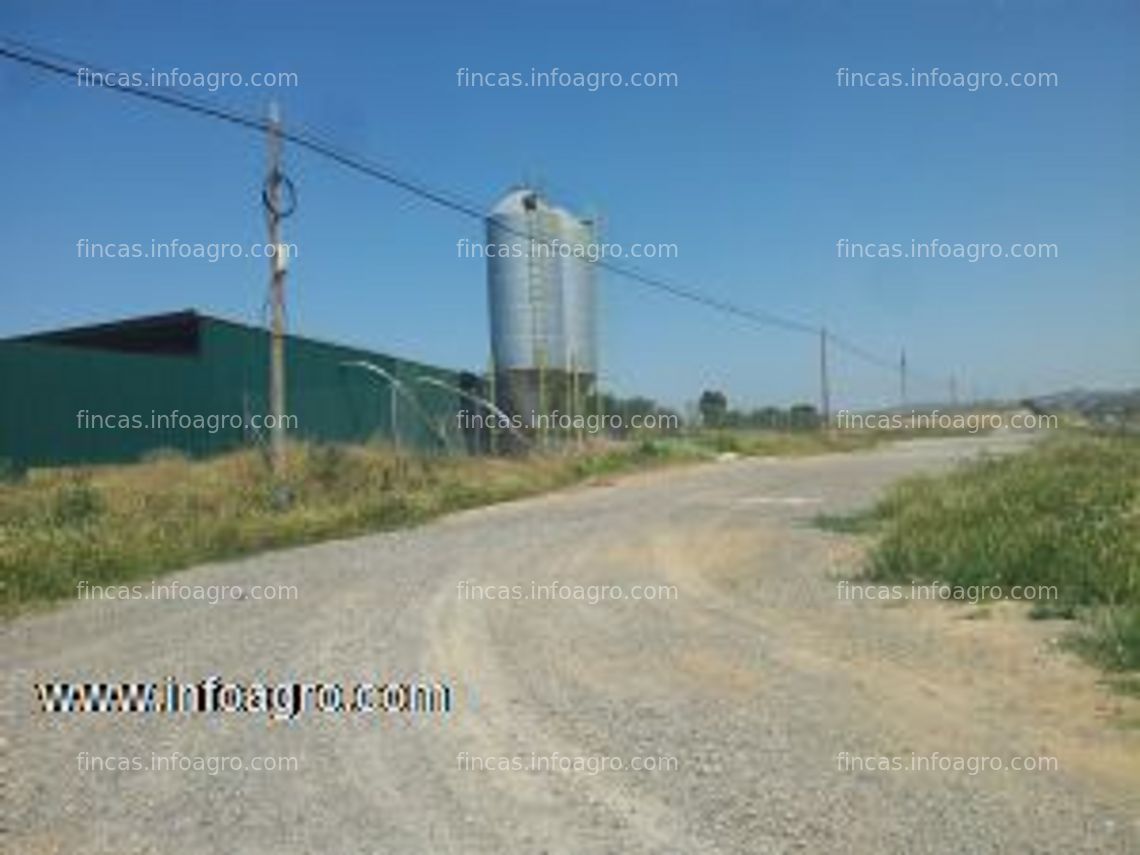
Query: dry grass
(112, 524)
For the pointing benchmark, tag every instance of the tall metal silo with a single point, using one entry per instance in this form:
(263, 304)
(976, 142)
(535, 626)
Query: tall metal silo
(578, 275)
(524, 293)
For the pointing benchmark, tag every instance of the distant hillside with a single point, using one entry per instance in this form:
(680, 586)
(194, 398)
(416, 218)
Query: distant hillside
(1119, 408)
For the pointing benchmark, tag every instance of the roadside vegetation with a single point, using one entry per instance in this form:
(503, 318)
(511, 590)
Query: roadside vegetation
(1065, 514)
(118, 524)
(114, 524)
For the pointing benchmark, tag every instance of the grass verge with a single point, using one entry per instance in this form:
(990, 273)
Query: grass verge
(117, 524)
(114, 524)
(1064, 515)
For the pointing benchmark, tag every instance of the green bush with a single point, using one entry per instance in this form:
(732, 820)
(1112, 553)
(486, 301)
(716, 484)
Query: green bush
(76, 502)
(1064, 514)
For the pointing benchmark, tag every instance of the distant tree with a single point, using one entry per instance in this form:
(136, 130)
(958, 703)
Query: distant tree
(803, 416)
(734, 419)
(641, 406)
(767, 418)
(713, 406)
(647, 411)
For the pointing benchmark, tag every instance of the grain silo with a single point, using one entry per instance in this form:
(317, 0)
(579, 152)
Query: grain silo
(578, 278)
(542, 290)
(525, 299)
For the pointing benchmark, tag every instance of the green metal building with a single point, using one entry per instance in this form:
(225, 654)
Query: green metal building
(64, 394)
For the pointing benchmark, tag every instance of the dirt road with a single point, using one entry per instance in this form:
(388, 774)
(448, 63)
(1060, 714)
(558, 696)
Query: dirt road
(761, 701)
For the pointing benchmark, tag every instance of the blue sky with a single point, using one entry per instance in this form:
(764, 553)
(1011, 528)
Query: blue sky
(754, 166)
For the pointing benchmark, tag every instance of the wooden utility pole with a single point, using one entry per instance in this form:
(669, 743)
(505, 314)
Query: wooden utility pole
(575, 398)
(393, 404)
(600, 398)
(542, 406)
(824, 388)
(272, 200)
(494, 400)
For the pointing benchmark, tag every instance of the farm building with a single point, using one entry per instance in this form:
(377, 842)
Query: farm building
(198, 384)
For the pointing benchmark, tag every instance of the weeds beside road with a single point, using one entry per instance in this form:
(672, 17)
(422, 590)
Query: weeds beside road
(1064, 515)
(119, 524)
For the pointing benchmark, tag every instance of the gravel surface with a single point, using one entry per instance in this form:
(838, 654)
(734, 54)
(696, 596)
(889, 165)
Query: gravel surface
(755, 678)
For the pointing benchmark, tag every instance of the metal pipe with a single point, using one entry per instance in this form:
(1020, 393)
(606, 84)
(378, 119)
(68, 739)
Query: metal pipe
(470, 396)
(395, 384)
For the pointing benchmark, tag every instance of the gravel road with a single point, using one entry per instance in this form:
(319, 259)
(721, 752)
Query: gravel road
(744, 689)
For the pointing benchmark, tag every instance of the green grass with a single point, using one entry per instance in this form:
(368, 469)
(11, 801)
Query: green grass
(757, 443)
(1064, 514)
(117, 524)
(114, 524)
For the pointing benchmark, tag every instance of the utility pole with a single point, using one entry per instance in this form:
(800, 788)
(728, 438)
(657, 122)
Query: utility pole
(824, 389)
(271, 197)
(494, 400)
(542, 408)
(575, 388)
(953, 391)
(902, 377)
(393, 402)
(600, 399)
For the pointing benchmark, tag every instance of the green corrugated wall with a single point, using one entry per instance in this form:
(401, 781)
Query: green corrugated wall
(43, 387)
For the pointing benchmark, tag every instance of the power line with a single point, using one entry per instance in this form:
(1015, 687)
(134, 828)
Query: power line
(54, 63)
(711, 302)
(853, 349)
(174, 97)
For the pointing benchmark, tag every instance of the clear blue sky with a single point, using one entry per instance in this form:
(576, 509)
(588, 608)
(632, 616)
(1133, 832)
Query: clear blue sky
(755, 165)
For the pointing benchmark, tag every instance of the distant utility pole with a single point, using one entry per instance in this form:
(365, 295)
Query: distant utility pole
(953, 391)
(824, 388)
(271, 198)
(902, 376)
(394, 415)
(493, 399)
